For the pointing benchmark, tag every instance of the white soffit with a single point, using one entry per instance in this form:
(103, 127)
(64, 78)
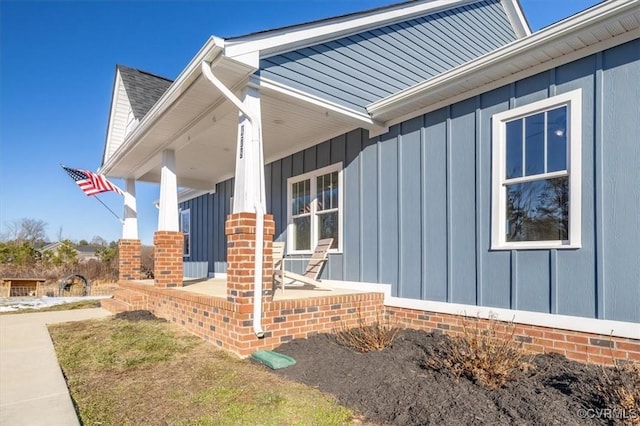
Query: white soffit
(187, 77)
(605, 25)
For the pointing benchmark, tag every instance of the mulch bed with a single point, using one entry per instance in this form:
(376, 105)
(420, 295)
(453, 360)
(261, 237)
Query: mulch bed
(396, 386)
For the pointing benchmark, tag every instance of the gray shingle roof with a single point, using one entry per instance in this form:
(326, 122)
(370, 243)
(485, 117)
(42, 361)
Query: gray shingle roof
(143, 89)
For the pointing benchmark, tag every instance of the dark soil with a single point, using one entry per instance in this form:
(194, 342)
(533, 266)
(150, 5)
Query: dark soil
(139, 315)
(396, 385)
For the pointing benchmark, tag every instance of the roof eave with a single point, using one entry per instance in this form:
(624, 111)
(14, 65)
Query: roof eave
(211, 49)
(594, 17)
(289, 38)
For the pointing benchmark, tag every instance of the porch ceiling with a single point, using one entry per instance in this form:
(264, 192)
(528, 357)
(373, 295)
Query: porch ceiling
(201, 126)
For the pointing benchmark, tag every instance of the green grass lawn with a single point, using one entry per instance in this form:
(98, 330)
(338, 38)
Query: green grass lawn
(152, 373)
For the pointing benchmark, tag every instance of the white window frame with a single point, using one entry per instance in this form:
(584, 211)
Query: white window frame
(184, 212)
(573, 101)
(337, 167)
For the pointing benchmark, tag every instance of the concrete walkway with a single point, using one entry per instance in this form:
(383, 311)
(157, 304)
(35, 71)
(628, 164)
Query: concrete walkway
(32, 389)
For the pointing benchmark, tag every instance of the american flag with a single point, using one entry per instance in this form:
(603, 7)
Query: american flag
(91, 183)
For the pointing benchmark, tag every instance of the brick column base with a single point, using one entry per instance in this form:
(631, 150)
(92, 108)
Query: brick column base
(168, 249)
(129, 254)
(240, 230)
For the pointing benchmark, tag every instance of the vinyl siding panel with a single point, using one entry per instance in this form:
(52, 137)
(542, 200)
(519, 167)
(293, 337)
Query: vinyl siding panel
(359, 69)
(417, 201)
(621, 181)
(120, 115)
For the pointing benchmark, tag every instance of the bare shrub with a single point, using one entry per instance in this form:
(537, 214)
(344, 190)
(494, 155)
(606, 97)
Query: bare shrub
(486, 354)
(619, 390)
(146, 262)
(367, 337)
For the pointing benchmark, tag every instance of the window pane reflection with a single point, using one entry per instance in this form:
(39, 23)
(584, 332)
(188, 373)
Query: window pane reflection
(302, 232)
(328, 227)
(514, 149)
(538, 210)
(557, 139)
(301, 194)
(534, 144)
(327, 191)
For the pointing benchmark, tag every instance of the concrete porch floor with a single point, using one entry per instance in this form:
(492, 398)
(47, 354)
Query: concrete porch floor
(217, 287)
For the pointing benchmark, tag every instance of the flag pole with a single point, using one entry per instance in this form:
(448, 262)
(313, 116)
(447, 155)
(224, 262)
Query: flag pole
(107, 207)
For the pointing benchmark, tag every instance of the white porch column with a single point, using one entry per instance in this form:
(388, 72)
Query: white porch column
(249, 174)
(168, 215)
(130, 226)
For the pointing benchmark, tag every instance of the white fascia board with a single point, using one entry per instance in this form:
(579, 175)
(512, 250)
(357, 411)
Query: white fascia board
(360, 118)
(112, 112)
(516, 17)
(211, 49)
(288, 38)
(190, 194)
(187, 194)
(520, 75)
(596, 16)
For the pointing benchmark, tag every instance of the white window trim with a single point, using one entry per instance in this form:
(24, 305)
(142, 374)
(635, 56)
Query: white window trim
(573, 102)
(337, 167)
(182, 213)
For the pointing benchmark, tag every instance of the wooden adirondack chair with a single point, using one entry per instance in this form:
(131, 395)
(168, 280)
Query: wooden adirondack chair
(312, 272)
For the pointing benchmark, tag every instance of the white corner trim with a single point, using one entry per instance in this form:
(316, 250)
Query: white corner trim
(603, 327)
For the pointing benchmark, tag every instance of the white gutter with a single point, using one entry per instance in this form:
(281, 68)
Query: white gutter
(211, 49)
(498, 59)
(259, 239)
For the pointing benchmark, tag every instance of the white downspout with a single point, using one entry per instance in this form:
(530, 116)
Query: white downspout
(259, 241)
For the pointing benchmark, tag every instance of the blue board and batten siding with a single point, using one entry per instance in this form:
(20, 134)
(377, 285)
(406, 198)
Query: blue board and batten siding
(357, 70)
(417, 201)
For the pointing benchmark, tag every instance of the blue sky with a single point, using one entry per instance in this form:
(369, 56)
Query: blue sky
(57, 64)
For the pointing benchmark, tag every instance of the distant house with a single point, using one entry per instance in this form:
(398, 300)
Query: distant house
(83, 252)
(454, 157)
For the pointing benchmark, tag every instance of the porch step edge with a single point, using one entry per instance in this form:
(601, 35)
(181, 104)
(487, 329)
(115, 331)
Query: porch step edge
(115, 306)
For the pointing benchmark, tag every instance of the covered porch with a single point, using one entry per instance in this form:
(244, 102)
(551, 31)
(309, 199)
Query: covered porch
(220, 119)
(203, 308)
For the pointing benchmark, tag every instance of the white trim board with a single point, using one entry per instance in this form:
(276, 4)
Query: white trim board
(490, 68)
(603, 327)
(293, 37)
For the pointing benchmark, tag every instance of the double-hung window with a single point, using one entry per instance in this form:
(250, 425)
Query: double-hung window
(315, 209)
(536, 171)
(185, 228)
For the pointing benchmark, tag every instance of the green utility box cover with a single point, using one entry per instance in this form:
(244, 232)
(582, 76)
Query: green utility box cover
(272, 359)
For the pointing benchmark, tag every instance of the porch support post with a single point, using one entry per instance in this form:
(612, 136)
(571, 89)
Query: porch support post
(129, 247)
(130, 226)
(249, 173)
(240, 230)
(249, 231)
(168, 241)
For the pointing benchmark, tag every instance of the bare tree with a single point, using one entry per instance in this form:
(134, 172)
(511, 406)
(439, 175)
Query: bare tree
(32, 231)
(97, 240)
(59, 234)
